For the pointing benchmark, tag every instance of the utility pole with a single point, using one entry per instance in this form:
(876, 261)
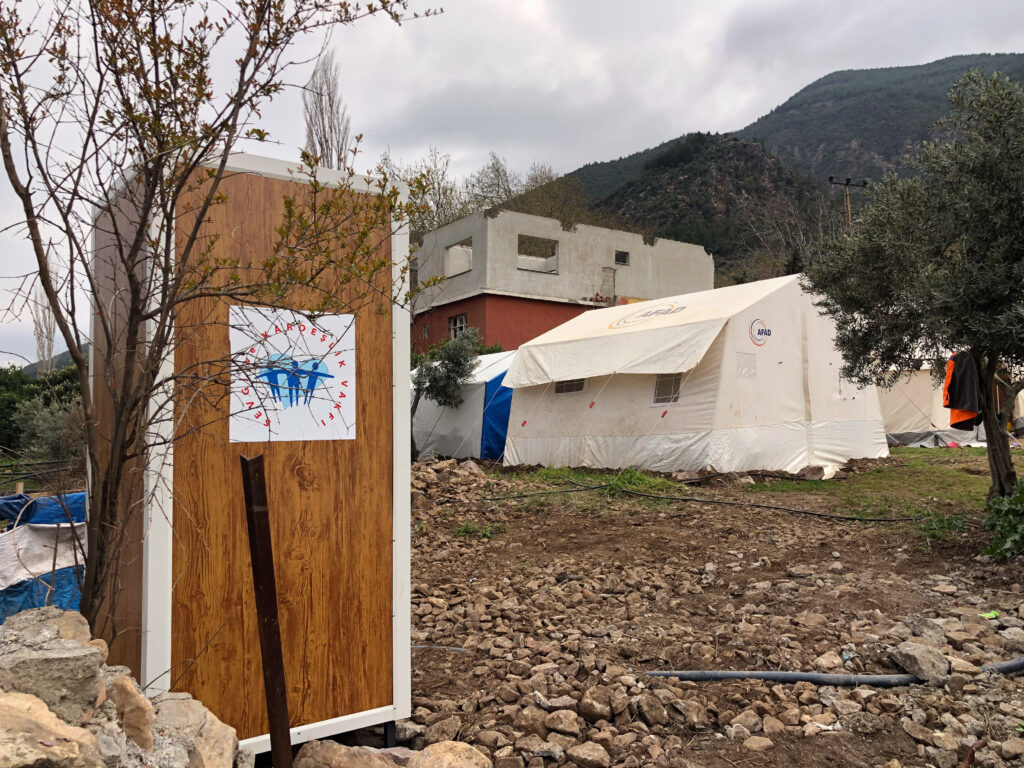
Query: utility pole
(846, 198)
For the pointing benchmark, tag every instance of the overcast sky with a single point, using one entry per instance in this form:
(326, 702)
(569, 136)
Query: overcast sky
(566, 82)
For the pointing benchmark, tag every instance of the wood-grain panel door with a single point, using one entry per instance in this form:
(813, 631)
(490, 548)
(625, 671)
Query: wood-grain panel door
(331, 518)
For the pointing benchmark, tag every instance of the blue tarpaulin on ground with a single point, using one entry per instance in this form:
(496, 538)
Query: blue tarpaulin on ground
(45, 510)
(497, 404)
(31, 593)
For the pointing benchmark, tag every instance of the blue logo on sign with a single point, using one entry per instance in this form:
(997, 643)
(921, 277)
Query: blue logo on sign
(293, 381)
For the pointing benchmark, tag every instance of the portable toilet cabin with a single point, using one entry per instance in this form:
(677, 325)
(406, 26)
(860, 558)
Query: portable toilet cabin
(325, 399)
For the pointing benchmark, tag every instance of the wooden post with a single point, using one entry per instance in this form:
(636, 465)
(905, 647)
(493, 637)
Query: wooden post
(257, 515)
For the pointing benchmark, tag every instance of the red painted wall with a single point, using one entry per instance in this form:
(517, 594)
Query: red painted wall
(505, 320)
(436, 319)
(511, 321)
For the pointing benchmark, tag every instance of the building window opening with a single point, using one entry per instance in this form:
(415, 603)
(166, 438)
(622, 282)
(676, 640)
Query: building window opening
(666, 388)
(622, 258)
(456, 325)
(569, 386)
(537, 254)
(426, 330)
(458, 258)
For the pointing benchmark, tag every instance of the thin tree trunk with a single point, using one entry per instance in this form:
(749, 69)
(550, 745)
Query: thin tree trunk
(1000, 460)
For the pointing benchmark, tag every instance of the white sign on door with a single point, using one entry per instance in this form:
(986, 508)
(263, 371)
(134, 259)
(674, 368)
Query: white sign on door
(292, 378)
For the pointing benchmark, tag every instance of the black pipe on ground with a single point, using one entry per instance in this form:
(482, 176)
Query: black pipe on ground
(822, 678)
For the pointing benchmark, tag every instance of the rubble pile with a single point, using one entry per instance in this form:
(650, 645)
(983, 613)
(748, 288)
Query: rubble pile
(436, 483)
(62, 706)
(534, 648)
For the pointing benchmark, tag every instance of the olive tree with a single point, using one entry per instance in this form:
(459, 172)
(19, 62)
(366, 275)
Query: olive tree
(937, 260)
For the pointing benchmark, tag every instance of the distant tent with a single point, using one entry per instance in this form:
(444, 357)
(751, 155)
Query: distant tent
(32, 574)
(914, 415)
(476, 428)
(733, 379)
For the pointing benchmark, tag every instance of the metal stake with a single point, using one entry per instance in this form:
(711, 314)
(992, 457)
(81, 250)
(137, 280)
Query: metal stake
(254, 483)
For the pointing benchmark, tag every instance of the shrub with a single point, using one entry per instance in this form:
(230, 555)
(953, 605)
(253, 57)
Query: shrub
(1005, 518)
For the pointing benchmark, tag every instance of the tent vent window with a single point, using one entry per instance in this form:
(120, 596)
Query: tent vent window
(666, 388)
(568, 386)
(456, 325)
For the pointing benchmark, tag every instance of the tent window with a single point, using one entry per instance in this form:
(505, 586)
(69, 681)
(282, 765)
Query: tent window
(568, 386)
(666, 387)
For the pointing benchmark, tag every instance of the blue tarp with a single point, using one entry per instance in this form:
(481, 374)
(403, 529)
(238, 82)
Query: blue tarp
(497, 404)
(45, 510)
(31, 593)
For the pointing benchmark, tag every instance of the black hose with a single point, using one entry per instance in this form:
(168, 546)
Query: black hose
(755, 505)
(818, 678)
(823, 678)
(1006, 667)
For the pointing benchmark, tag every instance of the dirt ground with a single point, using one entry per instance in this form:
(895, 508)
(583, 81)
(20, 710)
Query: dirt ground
(609, 586)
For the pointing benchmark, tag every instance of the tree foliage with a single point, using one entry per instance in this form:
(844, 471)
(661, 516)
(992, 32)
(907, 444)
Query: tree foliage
(442, 372)
(112, 125)
(937, 260)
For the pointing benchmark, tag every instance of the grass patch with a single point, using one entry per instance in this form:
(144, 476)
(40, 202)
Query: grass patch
(470, 529)
(927, 477)
(940, 526)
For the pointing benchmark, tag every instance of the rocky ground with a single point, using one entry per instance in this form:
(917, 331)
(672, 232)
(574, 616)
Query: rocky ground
(537, 618)
(61, 706)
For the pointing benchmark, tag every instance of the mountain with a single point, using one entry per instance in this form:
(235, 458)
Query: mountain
(859, 123)
(711, 190)
(602, 178)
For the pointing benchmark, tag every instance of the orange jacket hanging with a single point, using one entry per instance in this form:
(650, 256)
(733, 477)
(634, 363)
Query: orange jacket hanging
(961, 392)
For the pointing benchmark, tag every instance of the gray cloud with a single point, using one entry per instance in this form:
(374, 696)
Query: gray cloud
(568, 82)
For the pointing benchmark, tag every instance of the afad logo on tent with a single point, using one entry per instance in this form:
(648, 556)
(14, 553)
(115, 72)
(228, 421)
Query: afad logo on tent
(759, 332)
(643, 315)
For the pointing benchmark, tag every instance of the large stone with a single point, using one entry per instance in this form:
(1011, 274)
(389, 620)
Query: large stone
(589, 755)
(758, 743)
(922, 661)
(134, 710)
(928, 629)
(443, 730)
(595, 705)
(531, 720)
(1012, 748)
(916, 731)
(533, 745)
(31, 736)
(651, 710)
(492, 739)
(563, 721)
(829, 660)
(1013, 638)
(186, 723)
(749, 719)
(328, 754)
(772, 726)
(694, 713)
(449, 754)
(42, 653)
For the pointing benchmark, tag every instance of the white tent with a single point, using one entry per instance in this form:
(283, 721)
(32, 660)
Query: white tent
(477, 427)
(733, 379)
(914, 415)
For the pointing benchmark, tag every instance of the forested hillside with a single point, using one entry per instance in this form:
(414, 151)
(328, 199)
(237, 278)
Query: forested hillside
(859, 123)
